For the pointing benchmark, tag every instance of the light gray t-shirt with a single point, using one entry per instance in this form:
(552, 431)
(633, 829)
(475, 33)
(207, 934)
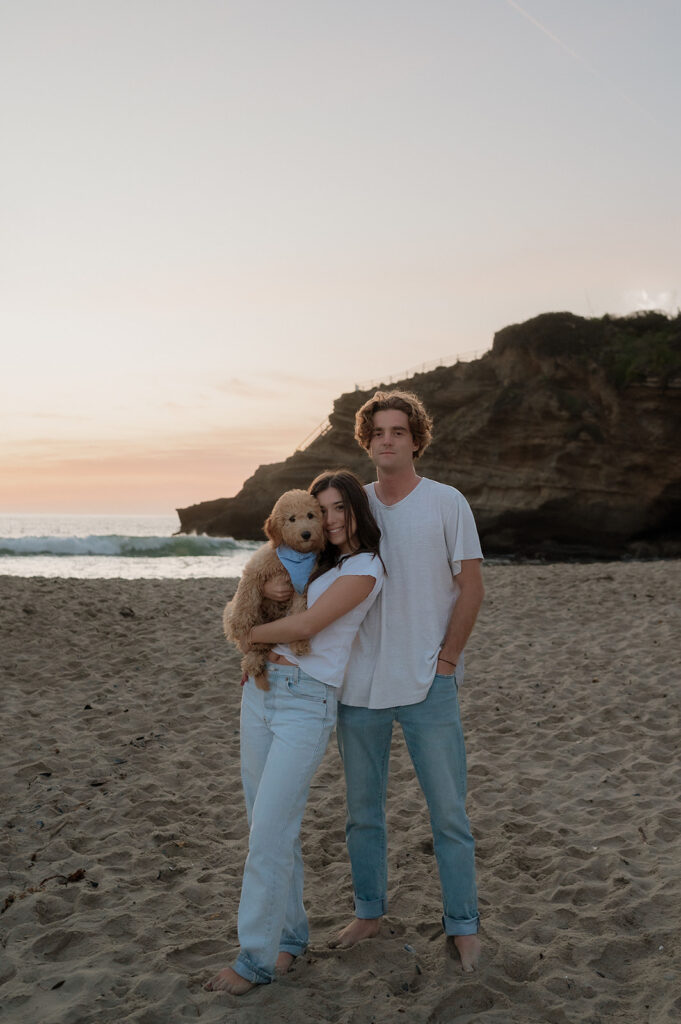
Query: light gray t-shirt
(424, 539)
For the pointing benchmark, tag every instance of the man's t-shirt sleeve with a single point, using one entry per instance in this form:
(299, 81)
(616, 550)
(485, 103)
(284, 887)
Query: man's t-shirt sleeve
(461, 534)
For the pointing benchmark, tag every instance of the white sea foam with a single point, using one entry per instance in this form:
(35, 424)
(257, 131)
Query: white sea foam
(123, 547)
(119, 546)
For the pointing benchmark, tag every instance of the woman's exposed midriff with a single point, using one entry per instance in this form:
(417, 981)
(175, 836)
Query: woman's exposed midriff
(279, 659)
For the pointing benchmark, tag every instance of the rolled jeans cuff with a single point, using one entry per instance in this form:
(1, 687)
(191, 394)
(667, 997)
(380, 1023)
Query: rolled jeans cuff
(455, 926)
(248, 970)
(295, 949)
(366, 910)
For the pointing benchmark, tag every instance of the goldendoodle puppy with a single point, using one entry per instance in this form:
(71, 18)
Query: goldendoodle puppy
(295, 523)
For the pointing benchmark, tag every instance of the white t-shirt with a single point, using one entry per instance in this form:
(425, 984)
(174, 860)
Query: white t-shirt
(424, 539)
(330, 648)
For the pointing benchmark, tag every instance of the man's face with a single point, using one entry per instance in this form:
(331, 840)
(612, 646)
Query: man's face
(392, 446)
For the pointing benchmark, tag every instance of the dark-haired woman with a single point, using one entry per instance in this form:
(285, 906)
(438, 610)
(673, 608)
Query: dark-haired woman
(285, 731)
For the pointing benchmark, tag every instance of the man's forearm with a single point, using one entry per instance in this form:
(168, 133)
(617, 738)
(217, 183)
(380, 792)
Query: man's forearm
(462, 621)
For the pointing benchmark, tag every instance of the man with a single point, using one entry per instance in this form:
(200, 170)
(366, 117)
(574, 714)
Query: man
(406, 666)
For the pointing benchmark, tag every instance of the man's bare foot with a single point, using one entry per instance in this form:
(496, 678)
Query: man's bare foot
(468, 949)
(356, 931)
(284, 962)
(229, 981)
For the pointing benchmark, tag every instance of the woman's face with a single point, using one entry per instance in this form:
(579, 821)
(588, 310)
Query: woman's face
(334, 513)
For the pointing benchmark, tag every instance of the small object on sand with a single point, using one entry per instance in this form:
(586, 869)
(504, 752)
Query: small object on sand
(75, 876)
(127, 612)
(409, 949)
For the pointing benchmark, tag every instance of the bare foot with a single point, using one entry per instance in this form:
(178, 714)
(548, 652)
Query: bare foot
(468, 949)
(356, 931)
(229, 981)
(284, 962)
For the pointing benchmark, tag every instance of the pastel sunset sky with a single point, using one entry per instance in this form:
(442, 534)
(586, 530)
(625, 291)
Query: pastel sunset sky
(219, 215)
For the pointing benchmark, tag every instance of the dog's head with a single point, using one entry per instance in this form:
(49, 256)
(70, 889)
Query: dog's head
(296, 520)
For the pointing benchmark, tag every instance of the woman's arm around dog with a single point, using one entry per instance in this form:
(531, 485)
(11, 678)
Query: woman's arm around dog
(341, 597)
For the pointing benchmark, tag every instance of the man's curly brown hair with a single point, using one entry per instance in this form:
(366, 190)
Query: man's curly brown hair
(420, 423)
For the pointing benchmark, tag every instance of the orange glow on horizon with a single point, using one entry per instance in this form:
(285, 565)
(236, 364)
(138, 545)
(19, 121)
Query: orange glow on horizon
(152, 483)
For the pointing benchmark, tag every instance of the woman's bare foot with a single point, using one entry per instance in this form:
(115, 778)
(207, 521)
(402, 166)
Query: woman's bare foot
(284, 962)
(356, 931)
(229, 981)
(468, 948)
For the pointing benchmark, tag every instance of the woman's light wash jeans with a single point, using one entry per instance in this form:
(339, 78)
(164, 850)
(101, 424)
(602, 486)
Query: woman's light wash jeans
(284, 733)
(434, 738)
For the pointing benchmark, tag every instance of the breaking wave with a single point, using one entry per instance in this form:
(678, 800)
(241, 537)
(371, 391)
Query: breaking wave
(117, 546)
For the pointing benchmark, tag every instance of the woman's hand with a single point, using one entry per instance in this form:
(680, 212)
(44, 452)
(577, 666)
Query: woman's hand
(278, 588)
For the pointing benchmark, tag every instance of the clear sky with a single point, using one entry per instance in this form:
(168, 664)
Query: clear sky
(218, 215)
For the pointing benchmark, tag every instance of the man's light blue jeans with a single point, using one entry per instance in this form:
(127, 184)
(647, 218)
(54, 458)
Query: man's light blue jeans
(284, 733)
(434, 738)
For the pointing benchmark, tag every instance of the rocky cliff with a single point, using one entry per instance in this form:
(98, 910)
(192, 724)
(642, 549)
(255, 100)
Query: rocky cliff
(564, 438)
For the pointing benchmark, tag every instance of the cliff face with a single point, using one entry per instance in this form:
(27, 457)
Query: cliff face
(564, 438)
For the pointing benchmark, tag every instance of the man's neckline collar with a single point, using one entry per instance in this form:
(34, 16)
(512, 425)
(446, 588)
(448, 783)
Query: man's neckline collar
(389, 504)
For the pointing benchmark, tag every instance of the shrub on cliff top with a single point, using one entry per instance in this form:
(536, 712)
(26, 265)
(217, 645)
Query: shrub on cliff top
(642, 345)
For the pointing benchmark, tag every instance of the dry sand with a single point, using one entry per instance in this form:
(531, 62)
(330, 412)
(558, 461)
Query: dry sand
(123, 833)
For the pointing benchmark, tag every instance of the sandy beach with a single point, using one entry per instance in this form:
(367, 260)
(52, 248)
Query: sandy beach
(124, 835)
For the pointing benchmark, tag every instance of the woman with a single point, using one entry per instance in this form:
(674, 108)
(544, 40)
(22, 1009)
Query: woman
(285, 731)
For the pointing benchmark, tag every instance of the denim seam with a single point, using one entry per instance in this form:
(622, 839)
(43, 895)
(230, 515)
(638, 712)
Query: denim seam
(383, 881)
(327, 726)
(385, 767)
(467, 926)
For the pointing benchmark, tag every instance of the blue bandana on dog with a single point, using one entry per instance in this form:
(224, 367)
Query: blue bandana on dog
(299, 566)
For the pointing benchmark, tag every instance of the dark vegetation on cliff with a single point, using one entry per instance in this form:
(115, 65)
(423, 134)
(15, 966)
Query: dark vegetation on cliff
(564, 438)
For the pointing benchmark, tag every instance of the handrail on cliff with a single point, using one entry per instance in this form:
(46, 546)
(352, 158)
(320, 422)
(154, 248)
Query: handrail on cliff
(461, 357)
(319, 431)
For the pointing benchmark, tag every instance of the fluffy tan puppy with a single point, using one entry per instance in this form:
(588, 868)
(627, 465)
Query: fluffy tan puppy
(296, 521)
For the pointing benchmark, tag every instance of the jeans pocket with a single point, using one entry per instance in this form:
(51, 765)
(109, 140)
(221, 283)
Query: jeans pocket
(307, 689)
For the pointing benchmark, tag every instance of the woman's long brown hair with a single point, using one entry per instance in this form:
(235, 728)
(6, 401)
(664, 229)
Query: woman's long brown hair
(355, 504)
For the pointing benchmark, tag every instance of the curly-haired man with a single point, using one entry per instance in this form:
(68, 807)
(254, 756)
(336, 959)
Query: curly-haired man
(406, 666)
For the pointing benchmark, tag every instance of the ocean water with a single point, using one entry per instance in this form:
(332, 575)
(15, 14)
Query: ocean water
(114, 547)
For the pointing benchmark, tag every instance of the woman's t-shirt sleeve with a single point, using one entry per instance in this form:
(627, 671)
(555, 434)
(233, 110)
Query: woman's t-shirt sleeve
(363, 564)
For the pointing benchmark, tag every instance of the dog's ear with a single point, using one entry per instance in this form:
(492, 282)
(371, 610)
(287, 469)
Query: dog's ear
(272, 528)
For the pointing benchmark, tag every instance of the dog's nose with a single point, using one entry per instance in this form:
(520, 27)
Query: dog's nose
(306, 535)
